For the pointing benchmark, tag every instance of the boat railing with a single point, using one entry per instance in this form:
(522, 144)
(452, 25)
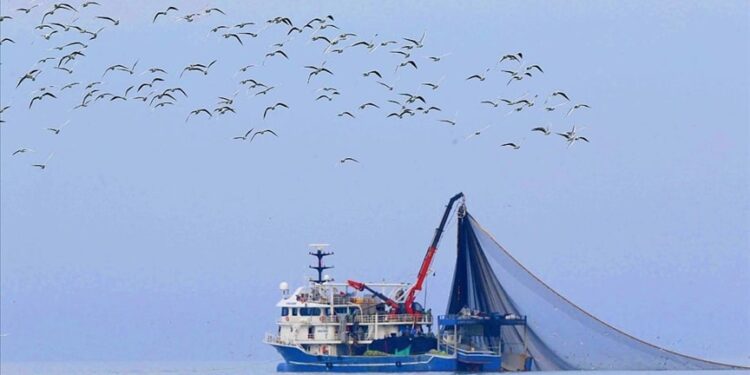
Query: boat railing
(274, 339)
(380, 319)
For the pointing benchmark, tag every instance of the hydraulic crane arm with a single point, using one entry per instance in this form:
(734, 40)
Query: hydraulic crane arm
(362, 286)
(427, 262)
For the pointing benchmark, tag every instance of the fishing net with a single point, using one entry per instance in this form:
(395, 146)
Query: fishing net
(559, 335)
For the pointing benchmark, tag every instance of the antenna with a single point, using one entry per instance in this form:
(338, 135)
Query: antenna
(320, 254)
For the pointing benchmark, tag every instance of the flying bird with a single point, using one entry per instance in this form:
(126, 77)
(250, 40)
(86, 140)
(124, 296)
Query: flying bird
(273, 107)
(577, 106)
(375, 72)
(344, 160)
(511, 144)
(543, 130)
(262, 132)
(27, 10)
(163, 13)
(317, 70)
(197, 112)
(30, 75)
(40, 97)
(110, 19)
(244, 137)
(58, 130)
(21, 151)
(42, 166)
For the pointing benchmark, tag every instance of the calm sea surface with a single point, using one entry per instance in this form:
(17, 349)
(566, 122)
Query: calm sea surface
(229, 368)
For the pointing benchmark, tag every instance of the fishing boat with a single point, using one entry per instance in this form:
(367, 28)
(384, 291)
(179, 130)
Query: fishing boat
(378, 327)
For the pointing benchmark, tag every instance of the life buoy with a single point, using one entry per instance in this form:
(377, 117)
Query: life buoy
(286, 318)
(322, 318)
(324, 349)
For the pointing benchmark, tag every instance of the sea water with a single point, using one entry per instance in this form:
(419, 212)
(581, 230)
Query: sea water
(212, 368)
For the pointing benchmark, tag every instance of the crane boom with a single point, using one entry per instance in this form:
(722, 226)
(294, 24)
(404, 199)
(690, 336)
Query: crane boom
(427, 261)
(362, 286)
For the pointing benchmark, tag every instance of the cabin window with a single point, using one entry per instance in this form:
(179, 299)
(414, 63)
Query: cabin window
(309, 311)
(294, 311)
(341, 310)
(284, 311)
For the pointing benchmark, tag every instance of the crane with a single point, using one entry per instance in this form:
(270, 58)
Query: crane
(408, 305)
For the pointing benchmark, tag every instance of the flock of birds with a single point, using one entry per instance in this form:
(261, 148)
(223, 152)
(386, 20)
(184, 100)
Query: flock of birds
(156, 88)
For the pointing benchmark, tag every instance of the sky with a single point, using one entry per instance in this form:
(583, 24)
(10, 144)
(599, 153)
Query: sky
(149, 237)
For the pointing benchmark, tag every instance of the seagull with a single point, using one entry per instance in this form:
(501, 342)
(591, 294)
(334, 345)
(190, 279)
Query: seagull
(516, 57)
(40, 97)
(317, 70)
(543, 130)
(389, 87)
(57, 130)
(346, 113)
(434, 86)
(535, 66)
(27, 10)
(208, 11)
(413, 98)
(10, 40)
(64, 69)
(21, 151)
(197, 112)
(89, 3)
(363, 106)
(121, 68)
(273, 107)
(451, 122)
(344, 160)
(417, 43)
(43, 165)
(572, 136)
(30, 75)
(198, 67)
(277, 52)
(110, 19)
(511, 144)
(163, 13)
(490, 102)
(480, 77)
(478, 132)
(264, 92)
(437, 58)
(375, 72)
(405, 63)
(404, 111)
(244, 137)
(576, 107)
(262, 132)
(93, 34)
(432, 108)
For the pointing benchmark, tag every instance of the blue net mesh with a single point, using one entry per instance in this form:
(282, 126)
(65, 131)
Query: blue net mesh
(559, 334)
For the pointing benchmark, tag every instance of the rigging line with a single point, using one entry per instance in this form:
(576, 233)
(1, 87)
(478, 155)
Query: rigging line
(473, 221)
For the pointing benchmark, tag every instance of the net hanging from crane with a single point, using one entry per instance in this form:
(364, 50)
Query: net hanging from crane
(559, 335)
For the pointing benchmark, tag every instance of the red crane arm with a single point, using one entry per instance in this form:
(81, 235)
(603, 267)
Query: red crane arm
(427, 262)
(362, 286)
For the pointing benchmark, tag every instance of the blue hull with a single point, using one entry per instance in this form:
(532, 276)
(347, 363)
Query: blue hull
(296, 360)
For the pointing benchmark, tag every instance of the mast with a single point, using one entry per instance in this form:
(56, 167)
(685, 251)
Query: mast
(320, 254)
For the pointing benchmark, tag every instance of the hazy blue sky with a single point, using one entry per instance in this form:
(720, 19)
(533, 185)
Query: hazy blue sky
(151, 238)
